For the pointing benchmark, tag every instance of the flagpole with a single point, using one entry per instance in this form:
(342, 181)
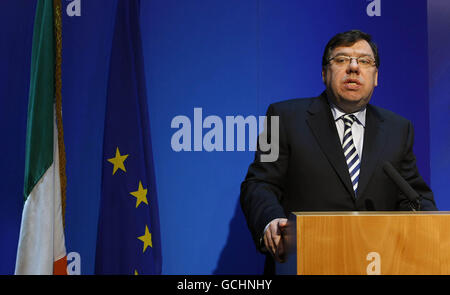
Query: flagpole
(58, 103)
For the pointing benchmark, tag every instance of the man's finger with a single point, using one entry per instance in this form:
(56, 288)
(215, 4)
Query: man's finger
(268, 240)
(278, 239)
(283, 223)
(279, 254)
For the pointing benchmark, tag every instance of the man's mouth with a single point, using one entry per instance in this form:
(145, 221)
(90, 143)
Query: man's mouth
(352, 84)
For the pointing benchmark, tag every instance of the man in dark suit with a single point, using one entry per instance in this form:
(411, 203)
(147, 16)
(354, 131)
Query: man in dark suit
(331, 150)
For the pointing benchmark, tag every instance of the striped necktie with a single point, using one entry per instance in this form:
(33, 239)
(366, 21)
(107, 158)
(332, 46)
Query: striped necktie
(350, 153)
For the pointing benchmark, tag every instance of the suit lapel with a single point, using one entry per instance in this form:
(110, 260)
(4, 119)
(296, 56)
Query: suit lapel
(322, 124)
(374, 142)
(324, 129)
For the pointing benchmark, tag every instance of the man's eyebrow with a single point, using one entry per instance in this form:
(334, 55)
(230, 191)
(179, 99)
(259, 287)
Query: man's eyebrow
(340, 53)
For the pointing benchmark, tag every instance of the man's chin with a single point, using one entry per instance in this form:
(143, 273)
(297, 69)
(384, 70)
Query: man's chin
(353, 104)
(351, 97)
(348, 102)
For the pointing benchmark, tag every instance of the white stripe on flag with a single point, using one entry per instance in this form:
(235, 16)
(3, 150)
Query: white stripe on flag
(41, 240)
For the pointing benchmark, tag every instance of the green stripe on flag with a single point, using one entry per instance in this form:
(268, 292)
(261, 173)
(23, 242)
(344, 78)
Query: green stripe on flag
(39, 142)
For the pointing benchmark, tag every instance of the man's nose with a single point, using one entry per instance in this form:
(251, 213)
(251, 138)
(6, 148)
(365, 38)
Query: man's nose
(353, 67)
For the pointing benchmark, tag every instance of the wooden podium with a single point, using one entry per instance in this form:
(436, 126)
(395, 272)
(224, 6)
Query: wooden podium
(361, 243)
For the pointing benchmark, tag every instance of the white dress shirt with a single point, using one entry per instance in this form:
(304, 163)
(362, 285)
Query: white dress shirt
(357, 127)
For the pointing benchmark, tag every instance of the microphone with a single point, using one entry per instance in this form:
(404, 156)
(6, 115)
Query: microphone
(411, 194)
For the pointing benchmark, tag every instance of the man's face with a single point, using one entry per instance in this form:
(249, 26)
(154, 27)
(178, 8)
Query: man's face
(350, 85)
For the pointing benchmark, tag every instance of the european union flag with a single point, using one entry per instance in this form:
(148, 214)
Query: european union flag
(128, 239)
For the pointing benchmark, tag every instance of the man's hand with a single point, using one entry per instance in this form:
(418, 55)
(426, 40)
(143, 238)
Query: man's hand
(273, 239)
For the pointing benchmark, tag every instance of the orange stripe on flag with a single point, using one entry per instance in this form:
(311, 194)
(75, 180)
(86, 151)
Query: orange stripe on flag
(60, 266)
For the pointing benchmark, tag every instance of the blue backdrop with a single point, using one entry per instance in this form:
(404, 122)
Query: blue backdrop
(229, 58)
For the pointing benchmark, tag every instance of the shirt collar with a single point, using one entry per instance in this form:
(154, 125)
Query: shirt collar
(337, 114)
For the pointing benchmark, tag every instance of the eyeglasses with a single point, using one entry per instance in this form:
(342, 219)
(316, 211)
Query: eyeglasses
(344, 60)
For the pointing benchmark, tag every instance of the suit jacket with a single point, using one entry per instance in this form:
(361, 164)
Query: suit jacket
(311, 173)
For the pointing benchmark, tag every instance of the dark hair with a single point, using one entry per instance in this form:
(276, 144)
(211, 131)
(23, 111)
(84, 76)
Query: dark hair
(348, 39)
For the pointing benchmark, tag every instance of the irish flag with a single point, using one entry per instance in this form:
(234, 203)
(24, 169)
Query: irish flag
(41, 248)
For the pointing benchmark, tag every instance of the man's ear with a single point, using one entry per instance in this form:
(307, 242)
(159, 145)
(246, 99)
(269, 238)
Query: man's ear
(376, 78)
(323, 74)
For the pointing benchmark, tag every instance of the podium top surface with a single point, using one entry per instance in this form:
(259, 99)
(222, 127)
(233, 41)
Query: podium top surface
(370, 213)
